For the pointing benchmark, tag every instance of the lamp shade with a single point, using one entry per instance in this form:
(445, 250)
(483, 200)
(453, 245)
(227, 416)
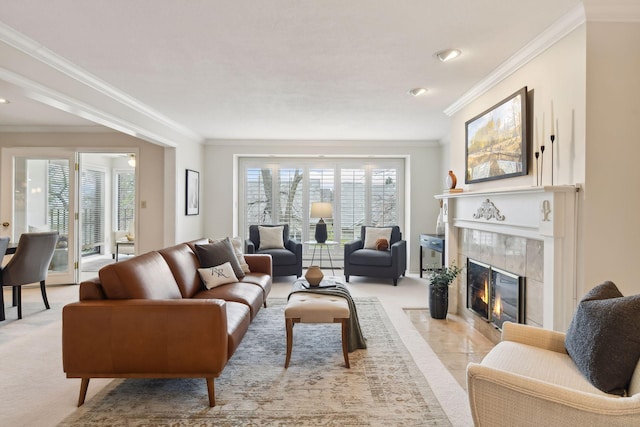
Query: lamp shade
(321, 210)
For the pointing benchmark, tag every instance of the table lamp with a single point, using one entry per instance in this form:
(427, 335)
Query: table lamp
(321, 210)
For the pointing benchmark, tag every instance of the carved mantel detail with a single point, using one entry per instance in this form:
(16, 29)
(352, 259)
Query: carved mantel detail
(488, 211)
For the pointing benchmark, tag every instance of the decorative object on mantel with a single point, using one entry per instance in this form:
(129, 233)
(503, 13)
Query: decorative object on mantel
(496, 141)
(488, 211)
(314, 275)
(440, 221)
(451, 180)
(439, 282)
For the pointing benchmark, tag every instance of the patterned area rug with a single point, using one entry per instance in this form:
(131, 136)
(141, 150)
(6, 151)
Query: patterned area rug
(383, 387)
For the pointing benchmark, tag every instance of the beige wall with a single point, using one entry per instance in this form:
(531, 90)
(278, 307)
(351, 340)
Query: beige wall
(556, 76)
(611, 203)
(591, 77)
(424, 176)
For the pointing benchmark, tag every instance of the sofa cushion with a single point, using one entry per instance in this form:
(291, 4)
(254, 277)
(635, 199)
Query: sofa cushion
(218, 275)
(184, 265)
(372, 234)
(146, 276)
(603, 339)
(371, 257)
(245, 293)
(271, 237)
(218, 253)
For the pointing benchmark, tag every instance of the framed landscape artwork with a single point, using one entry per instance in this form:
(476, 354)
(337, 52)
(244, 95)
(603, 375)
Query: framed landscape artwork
(496, 140)
(192, 193)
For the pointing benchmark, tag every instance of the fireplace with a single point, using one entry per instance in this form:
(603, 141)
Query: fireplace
(495, 295)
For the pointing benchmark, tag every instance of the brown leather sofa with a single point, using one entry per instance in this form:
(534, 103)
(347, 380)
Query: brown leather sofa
(151, 317)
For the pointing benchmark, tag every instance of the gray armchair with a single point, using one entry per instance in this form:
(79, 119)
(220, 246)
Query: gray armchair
(286, 261)
(30, 264)
(391, 263)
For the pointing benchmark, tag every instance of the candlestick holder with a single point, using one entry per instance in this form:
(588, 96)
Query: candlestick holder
(553, 138)
(537, 154)
(541, 163)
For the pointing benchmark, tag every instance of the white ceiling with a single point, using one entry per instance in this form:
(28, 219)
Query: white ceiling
(256, 69)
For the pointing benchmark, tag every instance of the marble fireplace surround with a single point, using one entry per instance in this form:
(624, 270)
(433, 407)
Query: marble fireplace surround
(540, 216)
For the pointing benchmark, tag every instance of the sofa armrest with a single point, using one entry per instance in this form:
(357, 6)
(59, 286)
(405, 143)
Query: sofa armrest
(500, 397)
(534, 336)
(179, 337)
(249, 247)
(260, 263)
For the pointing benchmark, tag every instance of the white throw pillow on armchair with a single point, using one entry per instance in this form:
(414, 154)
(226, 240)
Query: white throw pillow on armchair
(271, 237)
(372, 234)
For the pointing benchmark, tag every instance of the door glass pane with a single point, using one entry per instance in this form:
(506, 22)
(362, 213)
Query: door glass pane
(41, 202)
(92, 190)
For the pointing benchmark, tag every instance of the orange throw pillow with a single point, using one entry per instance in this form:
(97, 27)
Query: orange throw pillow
(382, 244)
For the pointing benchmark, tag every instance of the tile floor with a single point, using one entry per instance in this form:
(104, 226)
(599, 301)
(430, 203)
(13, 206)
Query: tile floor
(454, 341)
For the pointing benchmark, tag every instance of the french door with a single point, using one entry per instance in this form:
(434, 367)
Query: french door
(38, 193)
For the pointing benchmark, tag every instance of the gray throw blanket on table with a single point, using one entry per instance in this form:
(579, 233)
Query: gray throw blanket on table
(356, 338)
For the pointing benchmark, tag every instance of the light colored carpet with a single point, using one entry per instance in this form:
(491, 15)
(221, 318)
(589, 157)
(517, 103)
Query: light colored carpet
(383, 387)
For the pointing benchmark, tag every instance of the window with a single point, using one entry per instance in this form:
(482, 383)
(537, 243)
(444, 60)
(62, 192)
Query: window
(125, 200)
(361, 191)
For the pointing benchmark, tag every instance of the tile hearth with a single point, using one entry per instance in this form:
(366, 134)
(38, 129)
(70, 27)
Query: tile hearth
(454, 340)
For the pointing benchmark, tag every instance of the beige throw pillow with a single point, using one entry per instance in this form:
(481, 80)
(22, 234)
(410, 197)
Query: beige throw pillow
(271, 237)
(372, 234)
(238, 245)
(218, 275)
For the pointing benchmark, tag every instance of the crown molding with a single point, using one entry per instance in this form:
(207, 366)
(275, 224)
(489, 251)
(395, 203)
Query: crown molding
(39, 52)
(62, 102)
(55, 129)
(318, 143)
(556, 32)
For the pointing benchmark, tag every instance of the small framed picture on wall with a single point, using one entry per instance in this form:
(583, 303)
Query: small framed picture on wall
(192, 193)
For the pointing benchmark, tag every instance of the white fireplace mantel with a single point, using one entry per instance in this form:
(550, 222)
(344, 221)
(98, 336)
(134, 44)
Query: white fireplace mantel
(546, 213)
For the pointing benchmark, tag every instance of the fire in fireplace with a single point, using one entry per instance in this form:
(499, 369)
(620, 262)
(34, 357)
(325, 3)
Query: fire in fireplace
(494, 294)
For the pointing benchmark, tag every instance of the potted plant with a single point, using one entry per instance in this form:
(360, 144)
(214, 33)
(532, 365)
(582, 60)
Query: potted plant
(439, 283)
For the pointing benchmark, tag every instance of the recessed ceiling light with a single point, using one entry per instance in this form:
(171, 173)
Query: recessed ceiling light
(448, 54)
(4, 101)
(418, 91)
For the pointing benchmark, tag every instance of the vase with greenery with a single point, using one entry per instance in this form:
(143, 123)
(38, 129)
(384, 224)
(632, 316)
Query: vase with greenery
(439, 283)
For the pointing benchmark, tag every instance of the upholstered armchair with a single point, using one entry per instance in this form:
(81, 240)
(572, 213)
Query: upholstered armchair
(286, 253)
(362, 258)
(528, 379)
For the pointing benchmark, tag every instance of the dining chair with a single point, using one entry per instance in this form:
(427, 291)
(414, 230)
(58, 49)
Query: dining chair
(4, 244)
(30, 264)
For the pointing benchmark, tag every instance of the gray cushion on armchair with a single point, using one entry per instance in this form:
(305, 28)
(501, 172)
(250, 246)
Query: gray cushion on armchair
(390, 263)
(286, 261)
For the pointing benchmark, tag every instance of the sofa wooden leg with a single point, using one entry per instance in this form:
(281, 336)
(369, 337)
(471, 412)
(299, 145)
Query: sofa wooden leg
(84, 385)
(212, 392)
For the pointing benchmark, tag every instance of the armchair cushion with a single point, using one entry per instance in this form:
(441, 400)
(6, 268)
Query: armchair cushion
(603, 340)
(372, 234)
(371, 257)
(271, 237)
(218, 253)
